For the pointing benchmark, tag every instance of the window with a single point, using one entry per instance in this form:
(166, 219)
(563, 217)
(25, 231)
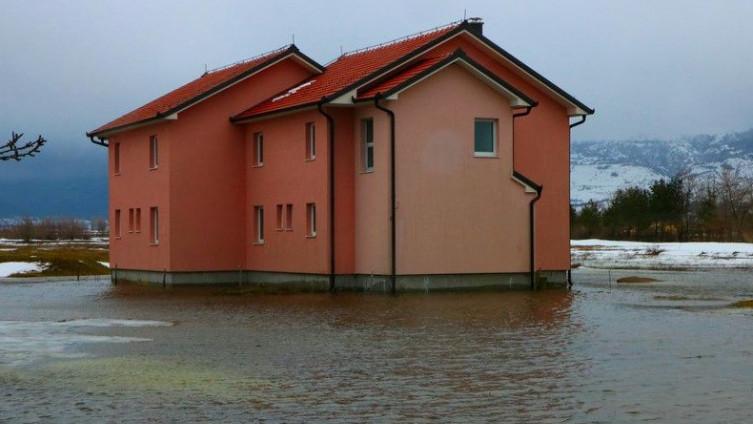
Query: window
(154, 224)
(259, 212)
(289, 217)
(153, 152)
(485, 137)
(117, 222)
(311, 220)
(138, 220)
(280, 223)
(130, 220)
(367, 143)
(310, 141)
(116, 158)
(258, 149)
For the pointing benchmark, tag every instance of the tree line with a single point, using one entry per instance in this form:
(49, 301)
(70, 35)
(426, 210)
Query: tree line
(53, 229)
(686, 207)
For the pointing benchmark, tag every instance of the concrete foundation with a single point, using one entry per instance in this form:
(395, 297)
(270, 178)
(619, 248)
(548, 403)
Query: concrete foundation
(279, 281)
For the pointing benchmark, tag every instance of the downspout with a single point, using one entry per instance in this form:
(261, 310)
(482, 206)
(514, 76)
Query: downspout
(532, 234)
(575, 124)
(531, 207)
(393, 244)
(331, 150)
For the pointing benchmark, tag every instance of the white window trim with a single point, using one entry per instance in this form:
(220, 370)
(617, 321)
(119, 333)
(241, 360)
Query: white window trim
(493, 153)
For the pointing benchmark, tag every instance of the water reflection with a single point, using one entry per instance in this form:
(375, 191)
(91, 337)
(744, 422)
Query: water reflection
(594, 355)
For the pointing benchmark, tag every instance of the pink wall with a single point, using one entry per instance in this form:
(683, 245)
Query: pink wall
(139, 187)
(200, 180)
(541, 153)
(456, 213)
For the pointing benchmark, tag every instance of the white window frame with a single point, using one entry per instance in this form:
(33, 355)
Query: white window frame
(154, 224)
(259, 149)
(493, 153)
(310, 141)
(153, 152)
(311, 220)
(367, 145)
(259, 216)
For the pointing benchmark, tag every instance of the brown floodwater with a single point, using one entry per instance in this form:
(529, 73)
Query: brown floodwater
(668, 351)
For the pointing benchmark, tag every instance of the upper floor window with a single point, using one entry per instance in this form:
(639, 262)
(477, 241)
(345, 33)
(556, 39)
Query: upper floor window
(367, 143)
(485, 137)
(258, 149)
(137, 226)
(153, 152)
(116, 158)
(310, 141)
(117, 223)
(289, 217)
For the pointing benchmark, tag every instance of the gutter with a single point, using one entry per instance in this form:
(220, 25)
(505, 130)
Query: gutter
(531, 206)
(393, 244)
(331, 175)
(101, 141)
(582, 120)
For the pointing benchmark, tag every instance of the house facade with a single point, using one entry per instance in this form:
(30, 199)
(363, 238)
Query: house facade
(437, 161)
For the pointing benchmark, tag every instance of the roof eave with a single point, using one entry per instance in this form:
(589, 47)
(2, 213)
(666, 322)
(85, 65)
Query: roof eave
(290, 52)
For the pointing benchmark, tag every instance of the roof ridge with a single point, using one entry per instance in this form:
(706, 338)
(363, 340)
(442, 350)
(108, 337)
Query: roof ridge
(251, 59)
(405, 38)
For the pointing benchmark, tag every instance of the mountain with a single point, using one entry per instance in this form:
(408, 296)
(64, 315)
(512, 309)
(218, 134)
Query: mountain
(598, 168)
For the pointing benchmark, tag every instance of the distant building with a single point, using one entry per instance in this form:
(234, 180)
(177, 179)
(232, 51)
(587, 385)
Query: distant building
(279, 170)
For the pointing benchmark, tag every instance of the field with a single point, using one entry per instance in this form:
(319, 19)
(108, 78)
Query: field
(53, 259)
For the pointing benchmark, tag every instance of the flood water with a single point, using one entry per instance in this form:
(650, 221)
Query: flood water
(671, 351)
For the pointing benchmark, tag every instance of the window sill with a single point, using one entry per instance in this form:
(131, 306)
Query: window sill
(153, 244)
(310, 236)
(118, 237)
(116, 174)
(257, 165)
(279, 230)
(289, 230)
(367, 171)
(154, 168)
(258, 243)
(485, 156)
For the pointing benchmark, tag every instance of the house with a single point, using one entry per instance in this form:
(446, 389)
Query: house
(434, 161)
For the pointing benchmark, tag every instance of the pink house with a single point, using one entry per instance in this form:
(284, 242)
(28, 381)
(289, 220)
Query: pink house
(437, 161)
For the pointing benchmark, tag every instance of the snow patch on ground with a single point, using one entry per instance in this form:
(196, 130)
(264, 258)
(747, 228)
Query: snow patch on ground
(104, 264)
(596, 253)
(10, 268)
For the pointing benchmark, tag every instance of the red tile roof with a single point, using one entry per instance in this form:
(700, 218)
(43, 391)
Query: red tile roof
(341, 74)
(194, 90)
(401, 77)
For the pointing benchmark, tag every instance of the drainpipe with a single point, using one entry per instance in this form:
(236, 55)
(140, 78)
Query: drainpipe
(331, 150)
(531, 205)
(532, 234)
(393, 243)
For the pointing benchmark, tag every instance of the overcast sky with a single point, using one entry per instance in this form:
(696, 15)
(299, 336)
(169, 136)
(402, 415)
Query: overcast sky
(650, 68)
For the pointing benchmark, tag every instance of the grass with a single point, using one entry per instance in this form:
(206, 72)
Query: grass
(60, 260)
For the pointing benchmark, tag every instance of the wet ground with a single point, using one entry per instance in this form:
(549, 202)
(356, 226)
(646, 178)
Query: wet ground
(669, 351)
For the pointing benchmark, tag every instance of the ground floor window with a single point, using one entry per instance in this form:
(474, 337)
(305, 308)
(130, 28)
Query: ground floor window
(259, 225)
(311, 219)
(154, 225)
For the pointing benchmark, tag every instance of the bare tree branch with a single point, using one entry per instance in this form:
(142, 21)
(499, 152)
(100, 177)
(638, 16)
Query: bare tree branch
(13, 151)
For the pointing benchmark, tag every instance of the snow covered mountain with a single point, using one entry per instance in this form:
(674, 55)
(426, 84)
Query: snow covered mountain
(598, 168)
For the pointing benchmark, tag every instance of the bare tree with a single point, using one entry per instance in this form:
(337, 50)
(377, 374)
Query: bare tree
(13, 151)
